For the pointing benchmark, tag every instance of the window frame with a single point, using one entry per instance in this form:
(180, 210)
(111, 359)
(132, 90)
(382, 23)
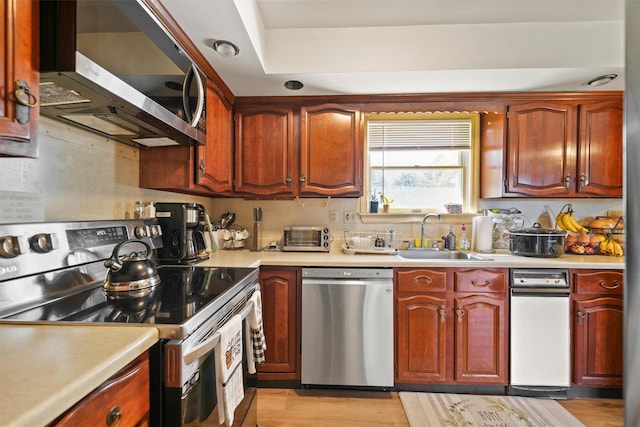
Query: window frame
(471, 178)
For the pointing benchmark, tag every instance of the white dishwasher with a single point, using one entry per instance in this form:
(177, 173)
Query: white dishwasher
(540, 334)
(347, 327)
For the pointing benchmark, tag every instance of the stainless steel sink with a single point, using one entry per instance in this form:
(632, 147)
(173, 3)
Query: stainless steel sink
(434, 254)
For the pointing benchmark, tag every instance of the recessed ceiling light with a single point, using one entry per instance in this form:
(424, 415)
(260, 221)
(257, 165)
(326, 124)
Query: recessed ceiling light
(293, 85)
(226, 48)
(602, 80)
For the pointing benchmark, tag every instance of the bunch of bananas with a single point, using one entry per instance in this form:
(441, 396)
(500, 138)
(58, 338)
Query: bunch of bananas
(610, 247)
(566, 221)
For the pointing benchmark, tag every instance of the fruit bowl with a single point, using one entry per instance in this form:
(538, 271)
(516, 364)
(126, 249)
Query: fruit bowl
(581, 248)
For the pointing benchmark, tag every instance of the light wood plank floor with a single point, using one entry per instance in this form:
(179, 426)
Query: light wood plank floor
(342, 408)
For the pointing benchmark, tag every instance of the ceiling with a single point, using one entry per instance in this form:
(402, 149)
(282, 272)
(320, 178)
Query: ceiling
(340, 47)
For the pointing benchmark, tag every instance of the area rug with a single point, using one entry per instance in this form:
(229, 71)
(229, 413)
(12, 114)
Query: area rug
(444, 409)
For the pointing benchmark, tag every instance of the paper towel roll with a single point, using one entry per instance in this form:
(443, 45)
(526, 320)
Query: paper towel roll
(483, 233)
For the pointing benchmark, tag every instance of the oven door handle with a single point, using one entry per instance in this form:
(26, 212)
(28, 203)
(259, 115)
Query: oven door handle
(209, 344)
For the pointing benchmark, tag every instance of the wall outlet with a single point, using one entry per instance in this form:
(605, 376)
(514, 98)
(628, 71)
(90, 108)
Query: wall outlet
(349, 217)
(333, 217)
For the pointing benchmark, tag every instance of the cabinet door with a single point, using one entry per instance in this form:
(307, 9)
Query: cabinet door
(600, 149)
(331, 151)
(18, 48)
(280, 316)
(423, 331)
(214, 161)
(598, 341)
(481, 339)
(266, 155)
(541, 149)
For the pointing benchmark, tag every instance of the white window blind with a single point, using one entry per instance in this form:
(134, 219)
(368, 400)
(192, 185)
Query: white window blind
(419, 134)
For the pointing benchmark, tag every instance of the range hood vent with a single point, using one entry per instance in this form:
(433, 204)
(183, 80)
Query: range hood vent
(124, 91)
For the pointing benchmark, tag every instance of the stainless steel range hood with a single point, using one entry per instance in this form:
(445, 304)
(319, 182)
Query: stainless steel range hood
(110, 68)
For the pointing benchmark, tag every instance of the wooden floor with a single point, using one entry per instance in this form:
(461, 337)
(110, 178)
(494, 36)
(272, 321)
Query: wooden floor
(342, 408)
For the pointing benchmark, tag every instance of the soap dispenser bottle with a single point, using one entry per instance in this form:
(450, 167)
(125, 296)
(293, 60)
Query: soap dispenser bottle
(464, 240)
(450, 240)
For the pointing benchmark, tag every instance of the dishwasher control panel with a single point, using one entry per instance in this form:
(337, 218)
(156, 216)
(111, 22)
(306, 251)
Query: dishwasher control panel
(540, 278)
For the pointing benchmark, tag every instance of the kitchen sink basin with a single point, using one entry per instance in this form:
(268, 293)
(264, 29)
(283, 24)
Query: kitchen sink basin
(433, 254)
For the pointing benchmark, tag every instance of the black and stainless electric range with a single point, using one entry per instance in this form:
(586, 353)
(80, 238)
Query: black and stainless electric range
(54, 272)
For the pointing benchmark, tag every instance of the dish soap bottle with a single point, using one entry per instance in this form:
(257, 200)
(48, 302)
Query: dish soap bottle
(464, 240)
(450, 240)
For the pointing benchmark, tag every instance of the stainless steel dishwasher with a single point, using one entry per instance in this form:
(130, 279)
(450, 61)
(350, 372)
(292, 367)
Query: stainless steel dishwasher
(347, 327)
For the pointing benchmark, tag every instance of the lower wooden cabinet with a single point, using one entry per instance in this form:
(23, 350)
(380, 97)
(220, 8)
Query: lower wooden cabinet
(451, 326)
(281, 302)
(598, 319)
(123, 400)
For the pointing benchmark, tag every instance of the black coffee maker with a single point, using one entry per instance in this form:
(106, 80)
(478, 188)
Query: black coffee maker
(182, 227)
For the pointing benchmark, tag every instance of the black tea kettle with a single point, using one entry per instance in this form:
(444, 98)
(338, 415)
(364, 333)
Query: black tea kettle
(130, 272)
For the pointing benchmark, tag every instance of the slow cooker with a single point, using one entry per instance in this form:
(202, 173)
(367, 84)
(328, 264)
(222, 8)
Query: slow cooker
(537, 242)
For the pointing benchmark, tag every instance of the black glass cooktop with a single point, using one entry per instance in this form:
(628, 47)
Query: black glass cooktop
(183, 291)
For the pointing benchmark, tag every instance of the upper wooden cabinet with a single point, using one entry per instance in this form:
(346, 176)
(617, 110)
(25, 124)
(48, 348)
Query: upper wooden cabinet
(202, 170)
(331, 151)
(285, 152)
(564, 149)
(266, 161)
(19, 78)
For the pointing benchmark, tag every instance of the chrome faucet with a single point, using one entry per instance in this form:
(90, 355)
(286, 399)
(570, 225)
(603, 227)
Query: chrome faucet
(437, 215)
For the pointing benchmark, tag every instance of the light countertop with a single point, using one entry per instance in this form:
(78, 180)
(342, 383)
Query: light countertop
(336, 258)
(45, 370)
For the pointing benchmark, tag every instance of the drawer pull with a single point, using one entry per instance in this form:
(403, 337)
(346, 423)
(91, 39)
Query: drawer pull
(114, 416)
(421, 277)
(603, 284)
(459, 313)
(581, 315)
(475, 283)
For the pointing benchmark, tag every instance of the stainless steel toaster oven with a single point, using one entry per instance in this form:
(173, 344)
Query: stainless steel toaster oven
(306, 239)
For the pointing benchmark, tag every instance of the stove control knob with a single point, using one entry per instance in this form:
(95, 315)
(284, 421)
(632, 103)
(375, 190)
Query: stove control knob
(43, 242)
(141, 231)
(154, 230)
(9, 247)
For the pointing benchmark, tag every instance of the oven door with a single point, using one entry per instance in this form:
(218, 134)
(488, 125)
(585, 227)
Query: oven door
(190, 382)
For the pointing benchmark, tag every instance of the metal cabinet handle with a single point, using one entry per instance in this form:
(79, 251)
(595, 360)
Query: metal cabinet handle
(24, 101)
(303, 179)
(460, 314)
(24, 96)
(584, 180)
(202, 168)
(567, 181)
(474, 282)
(289, 180)
(442, 311)
(603, 284)
(421, 277)
(114, 417)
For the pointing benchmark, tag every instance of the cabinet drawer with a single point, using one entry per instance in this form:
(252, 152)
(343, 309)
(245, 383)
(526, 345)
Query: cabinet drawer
(421, 280)
(598, 282)
(480, 280)
(126, 393)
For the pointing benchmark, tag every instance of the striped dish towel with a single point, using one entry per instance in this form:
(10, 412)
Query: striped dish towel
(256, 343)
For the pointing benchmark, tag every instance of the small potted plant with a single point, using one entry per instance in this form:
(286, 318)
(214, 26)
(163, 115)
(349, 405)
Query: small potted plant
(386, 202)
